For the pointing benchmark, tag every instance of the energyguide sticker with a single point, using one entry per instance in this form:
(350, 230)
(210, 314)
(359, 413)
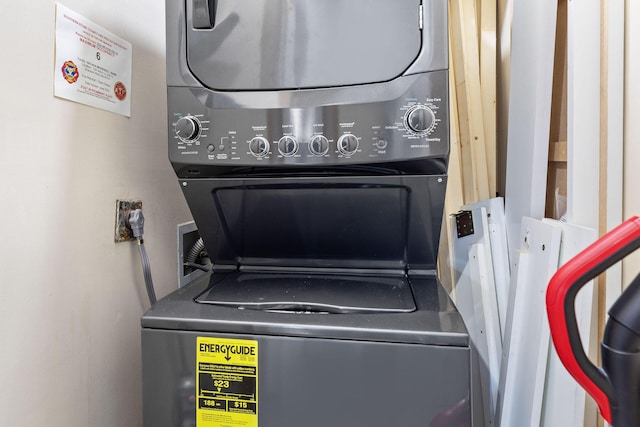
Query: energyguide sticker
(226, 382)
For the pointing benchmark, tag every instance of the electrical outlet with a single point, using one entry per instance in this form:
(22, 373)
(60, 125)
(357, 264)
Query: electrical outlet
(123, 207)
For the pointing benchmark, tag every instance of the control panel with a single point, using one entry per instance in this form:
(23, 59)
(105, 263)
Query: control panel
(412, 126)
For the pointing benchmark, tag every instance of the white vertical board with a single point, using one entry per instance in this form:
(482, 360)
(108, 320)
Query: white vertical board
(615, 130)
(499, 253)
(565, 401)
(631, 127)
(583, 112)
(532, 57)
(476, 300)
(486, 314)
(526, 348)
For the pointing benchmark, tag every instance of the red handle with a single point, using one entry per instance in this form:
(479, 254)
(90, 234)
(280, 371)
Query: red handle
(561, 294)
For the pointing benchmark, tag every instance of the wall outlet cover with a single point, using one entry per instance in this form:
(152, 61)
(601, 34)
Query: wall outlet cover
(123, 207)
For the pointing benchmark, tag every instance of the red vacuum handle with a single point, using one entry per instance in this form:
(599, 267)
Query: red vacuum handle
(561, 294)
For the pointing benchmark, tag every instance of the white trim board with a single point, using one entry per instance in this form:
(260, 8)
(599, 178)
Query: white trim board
(477, 303)
(499, 252)
(532, 58)
(565, 400)
(615, 138)
(524, 362)
(583, 113)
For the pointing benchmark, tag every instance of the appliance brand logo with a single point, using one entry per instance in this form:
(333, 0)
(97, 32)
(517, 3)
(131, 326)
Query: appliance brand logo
(70, 72)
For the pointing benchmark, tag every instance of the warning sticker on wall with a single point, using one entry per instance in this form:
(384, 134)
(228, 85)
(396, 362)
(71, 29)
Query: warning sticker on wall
(226, 382)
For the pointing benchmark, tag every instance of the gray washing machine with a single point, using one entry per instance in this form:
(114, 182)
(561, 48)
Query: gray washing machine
(311, 140)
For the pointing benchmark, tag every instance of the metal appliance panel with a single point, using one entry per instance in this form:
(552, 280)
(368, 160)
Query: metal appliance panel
(373, 222)
(434, 322)
(373, 369)
(311, 140)
(280, 44)
(433, 53)
(315, 382)
(405, 120)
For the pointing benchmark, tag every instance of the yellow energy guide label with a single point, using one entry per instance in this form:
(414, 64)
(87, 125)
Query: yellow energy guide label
(226, 382)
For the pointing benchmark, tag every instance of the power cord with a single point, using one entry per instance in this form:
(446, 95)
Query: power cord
(135, 221)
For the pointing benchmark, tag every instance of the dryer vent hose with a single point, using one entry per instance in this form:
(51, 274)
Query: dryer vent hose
(194, 252)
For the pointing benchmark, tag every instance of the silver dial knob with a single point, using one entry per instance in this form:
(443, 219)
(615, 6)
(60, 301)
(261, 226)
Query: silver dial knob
(288, 146)
(259, 146)
(348, 144)
(188, 128)
(420, 119)
(319, 145)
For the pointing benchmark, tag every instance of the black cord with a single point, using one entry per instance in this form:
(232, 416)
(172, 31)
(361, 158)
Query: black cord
(197, 266)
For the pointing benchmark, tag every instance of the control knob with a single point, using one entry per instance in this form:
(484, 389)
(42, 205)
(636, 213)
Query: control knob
(188, 128)
(420, 119)
(259, 146)
(348, 144)
(319, 145)
(288, 146)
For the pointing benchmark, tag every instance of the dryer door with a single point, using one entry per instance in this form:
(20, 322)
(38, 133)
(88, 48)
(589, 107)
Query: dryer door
(284, 44)
(354, 222)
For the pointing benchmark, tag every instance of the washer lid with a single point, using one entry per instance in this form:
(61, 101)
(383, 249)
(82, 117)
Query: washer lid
(284, 44)
(434, 322)
(320, 293)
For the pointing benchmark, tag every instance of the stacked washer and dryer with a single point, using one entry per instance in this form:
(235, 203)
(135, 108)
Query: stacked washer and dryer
(311, 141)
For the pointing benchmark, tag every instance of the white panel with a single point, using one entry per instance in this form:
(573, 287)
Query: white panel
(532, 56)
(499, 253)
(564, 402)
(583, 112)
(615, 128)
(477, 303)
(524, 362)
(487, 314)
(631, 127)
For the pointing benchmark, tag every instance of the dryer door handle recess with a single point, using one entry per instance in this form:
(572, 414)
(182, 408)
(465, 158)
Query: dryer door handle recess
(204, 14)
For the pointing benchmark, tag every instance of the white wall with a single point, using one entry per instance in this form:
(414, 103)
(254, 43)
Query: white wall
(631, 266)
(70, 298)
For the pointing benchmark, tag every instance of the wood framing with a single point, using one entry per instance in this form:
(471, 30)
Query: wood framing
(464, 41)
(488, 14)
(503, 52)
